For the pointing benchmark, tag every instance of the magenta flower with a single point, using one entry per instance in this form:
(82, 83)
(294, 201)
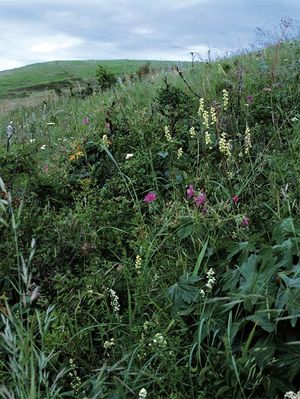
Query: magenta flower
(250, 99)
(190, 192)
(150, 197)
(235, 199)
(86, 121)
(200, 200)
(245, 221)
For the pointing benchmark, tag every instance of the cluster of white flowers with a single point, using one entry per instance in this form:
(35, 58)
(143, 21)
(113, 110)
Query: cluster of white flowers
(32, 140)
(43, 147)
(205, 122)
(211, 280)
(208, 141)
(143, 393)
(105, 140)
(213, 116)
(192, 132)
(109, 344)
(138, 263)
(292, 395)
(76, 380)
(224, 145)
(201, 107)
(158, 341)
(179, 153)
(168, 134)
(248, 144)
(225, 99)
(114, 301)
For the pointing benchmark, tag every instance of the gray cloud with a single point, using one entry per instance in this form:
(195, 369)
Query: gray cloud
(35, 30)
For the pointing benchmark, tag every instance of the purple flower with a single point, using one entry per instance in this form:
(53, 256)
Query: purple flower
(245, 221)
(200, 200)
(86, 121)
(190, 192)
(150, 197)
(236, 199)
(250, 99)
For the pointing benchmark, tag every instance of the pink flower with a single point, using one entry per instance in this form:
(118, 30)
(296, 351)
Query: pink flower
(245, 221)
(190, 192)
(86, 121)
(236, 199)
(200, 200)
(46, 168)
(250, 99)
(150, 197)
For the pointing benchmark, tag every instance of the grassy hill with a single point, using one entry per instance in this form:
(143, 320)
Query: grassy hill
(43, 76)
(150, 237)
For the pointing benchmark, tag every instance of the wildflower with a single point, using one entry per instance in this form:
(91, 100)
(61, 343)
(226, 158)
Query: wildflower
(159, 340)
(245, 221)
(250, 99)
(109, 344)
(179, 153)
(267, 89)
(150, 197)
(207, 139)
(190, 192)
(225, 99)
(211, 280)
(201, 107)
(43, 147)
(143, 393)
(72, 157)
(46, 168)
(168, 134)
(105, 140)
(235, 199)
(114, 301)
(248, 144)
(202, 293)
(192, 132)
(200, 200)
(32, 140)
(86, 121)
(138, 263)
(129, 156)
(213, 116)
(205, 121)
(50, 123)
(224, 145)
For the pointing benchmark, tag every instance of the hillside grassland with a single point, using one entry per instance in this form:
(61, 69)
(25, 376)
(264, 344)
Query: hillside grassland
(150, 237)
(43, 76)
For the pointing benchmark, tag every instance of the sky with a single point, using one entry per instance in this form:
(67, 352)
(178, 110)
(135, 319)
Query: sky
(46, 30)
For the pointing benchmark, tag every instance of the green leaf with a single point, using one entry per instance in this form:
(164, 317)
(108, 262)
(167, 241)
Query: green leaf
(184, 293)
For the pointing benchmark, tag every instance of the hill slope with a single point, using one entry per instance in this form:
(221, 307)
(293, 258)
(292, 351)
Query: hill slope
(45, 75)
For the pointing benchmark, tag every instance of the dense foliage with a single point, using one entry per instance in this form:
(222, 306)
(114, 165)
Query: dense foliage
(150, 237)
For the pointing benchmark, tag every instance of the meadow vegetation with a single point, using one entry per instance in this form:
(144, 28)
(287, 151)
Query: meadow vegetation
(150, 237)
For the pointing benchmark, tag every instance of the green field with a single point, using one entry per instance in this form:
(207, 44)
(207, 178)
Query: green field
(42, 76)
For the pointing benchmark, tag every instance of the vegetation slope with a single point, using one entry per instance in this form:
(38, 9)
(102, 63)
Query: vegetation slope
(150, 237)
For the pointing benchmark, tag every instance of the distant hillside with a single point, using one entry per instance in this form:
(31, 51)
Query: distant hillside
(41, 76)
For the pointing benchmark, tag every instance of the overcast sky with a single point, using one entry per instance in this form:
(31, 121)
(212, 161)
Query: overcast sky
(45, 30)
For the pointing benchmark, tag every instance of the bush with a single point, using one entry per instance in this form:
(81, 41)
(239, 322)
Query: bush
(105, 78)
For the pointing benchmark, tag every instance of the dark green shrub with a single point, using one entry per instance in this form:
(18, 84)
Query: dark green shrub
(105, 78)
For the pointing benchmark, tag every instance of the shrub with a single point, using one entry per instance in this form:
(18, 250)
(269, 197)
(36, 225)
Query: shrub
(105, 78)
